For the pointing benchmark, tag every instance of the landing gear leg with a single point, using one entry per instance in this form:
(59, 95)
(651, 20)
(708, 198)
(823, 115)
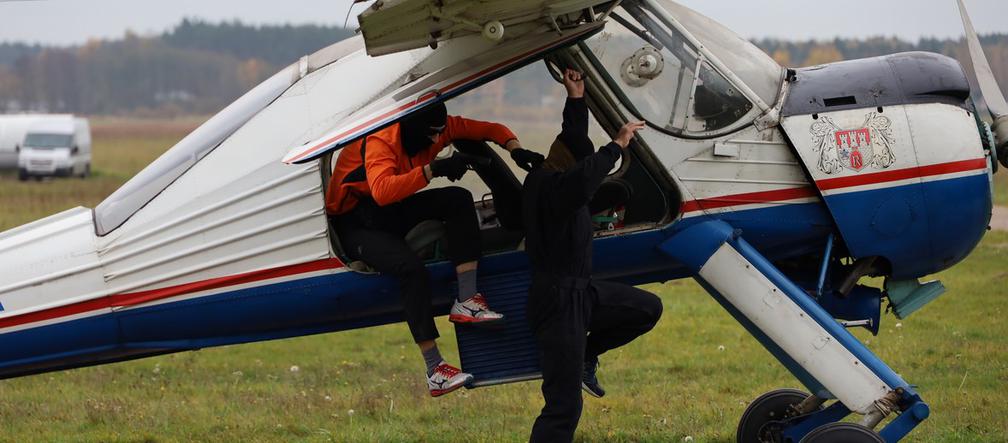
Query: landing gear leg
(806, 339)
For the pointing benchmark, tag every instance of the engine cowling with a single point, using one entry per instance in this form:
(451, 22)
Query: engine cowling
(892, 145)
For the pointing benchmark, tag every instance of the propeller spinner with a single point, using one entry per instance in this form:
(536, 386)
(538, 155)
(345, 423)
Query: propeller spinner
(992, 94)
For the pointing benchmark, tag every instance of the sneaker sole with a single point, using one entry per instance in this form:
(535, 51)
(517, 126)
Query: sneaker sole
(440, 392)
(466, 320)
(590, 392)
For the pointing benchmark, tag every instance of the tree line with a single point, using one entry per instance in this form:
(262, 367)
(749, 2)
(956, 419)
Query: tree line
(812, 52)
(199, 67)
(195, 67)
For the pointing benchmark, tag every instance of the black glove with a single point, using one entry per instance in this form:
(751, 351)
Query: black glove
(527, 160)
(452, 168)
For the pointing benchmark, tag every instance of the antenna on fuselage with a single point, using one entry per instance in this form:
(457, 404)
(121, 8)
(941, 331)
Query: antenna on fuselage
(989, 88)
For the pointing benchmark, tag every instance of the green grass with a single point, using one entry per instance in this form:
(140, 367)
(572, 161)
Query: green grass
(1001, 187)
(671, 383)
(674, 382)
(121, 148)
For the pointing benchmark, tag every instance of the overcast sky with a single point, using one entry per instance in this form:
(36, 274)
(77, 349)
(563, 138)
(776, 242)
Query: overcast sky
(74, 21)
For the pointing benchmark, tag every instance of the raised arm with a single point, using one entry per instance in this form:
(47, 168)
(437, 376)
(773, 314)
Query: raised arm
(574, 130)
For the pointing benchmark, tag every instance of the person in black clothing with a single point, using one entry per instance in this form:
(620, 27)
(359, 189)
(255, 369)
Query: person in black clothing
(574, 318)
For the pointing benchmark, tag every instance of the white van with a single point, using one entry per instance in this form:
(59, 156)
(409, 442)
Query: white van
(58, 146)
(12, 132)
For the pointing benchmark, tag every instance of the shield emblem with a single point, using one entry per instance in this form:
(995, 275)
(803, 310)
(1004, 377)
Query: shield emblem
(854, 149)
(852, 146)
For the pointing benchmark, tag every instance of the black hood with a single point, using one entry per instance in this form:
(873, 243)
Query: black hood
(415, 130)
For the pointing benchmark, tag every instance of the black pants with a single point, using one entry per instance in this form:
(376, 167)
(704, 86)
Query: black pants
(562, 312)
(376, 235)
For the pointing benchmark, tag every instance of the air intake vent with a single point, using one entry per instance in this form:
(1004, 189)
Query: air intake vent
(840, 101)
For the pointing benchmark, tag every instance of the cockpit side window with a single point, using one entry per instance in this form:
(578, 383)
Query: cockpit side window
(142, 188)
(662, 77)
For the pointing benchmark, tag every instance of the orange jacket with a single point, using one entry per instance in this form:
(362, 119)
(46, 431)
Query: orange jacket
(386, 174)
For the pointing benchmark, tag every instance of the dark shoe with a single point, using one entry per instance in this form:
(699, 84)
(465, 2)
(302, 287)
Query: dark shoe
(589, 383)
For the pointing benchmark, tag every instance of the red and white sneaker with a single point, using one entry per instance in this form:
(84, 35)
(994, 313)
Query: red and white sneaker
(474, 311)
(447, 378)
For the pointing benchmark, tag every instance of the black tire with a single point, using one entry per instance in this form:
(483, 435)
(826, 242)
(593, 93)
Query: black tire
(772, 406)
(22, 175)
(87, 171)
(841, 432)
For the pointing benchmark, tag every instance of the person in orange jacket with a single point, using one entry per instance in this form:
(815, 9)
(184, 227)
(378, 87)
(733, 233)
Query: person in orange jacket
(375, 196)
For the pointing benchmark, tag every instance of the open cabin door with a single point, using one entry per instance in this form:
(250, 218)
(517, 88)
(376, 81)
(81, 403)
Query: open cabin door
(448, 72)
(398, 25)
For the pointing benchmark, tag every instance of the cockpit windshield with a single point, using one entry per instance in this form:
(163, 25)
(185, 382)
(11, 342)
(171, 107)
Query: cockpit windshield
(665, 79)
(753, 66)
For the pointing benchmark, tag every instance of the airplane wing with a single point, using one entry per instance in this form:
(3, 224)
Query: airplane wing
(461, 69)
(390, 26)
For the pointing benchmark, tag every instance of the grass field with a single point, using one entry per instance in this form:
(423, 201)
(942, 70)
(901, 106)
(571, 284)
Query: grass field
(121, 148)
(691, 376)
(1001, 188)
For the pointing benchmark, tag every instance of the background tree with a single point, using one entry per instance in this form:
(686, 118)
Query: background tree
(199, 67)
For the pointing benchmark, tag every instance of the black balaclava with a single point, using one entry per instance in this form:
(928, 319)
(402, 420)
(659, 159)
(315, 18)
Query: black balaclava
(415, 130)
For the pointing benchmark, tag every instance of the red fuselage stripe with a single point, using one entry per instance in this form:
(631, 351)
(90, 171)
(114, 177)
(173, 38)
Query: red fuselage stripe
(136, 298)
(748, 199)
(781, 195)
(902, 174)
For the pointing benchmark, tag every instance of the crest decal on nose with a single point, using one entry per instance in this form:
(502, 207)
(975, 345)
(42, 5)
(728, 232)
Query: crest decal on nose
(854, 149)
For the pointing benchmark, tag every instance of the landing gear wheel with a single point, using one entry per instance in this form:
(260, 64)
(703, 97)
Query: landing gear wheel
(769, 407)
(842, 433)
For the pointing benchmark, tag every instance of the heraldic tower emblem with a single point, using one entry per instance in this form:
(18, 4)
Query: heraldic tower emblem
(853, 149)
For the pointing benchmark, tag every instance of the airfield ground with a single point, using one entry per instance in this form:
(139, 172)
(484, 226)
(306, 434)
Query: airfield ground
(690, 377)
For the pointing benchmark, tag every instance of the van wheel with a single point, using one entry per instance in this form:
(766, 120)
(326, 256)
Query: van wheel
(22, 175)
(87, 171)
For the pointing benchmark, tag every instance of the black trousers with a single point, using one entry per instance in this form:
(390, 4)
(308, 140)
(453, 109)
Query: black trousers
(575, 320)
(376, 235)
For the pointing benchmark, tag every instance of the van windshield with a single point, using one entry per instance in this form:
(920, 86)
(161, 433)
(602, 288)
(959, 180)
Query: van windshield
(48, 141)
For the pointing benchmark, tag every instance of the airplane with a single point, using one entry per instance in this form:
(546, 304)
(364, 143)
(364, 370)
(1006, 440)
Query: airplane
(779, 190)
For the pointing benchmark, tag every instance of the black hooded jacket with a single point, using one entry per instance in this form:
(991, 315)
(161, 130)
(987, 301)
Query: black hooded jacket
(555, 204)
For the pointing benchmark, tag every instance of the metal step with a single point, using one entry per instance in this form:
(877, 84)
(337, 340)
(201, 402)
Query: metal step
(504, 354)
